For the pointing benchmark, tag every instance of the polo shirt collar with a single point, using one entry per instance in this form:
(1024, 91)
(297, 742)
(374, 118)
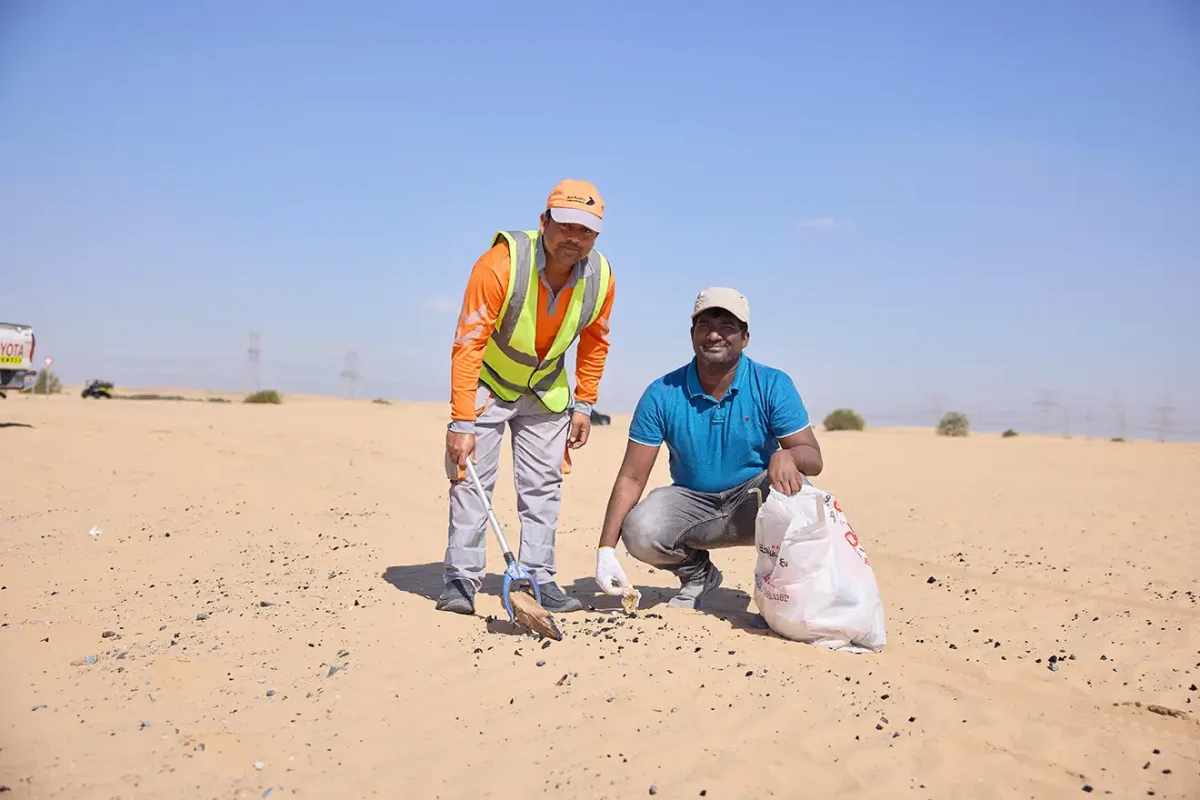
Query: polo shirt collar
(582, 269)
(693, 378)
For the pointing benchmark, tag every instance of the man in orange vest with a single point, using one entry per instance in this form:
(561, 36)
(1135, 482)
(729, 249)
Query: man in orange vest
(529, 297)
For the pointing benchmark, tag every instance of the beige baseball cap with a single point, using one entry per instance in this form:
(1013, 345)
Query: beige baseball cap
(731, 300)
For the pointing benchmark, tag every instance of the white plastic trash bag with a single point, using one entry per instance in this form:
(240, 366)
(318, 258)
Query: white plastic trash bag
(813, 582)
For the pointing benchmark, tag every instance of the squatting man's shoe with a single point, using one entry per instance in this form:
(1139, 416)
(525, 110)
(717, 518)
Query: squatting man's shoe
(692, 592)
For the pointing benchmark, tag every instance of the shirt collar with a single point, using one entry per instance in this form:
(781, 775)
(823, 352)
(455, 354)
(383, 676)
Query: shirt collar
(693, 378)
(582, 269)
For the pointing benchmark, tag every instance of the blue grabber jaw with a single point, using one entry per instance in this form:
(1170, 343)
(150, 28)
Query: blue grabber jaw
(517, 578)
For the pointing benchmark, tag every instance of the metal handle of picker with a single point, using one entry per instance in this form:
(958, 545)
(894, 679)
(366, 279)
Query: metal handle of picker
(488, 506)
(513, 571)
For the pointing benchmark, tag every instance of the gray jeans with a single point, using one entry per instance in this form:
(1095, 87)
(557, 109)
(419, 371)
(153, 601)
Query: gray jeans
(539, 446)
(673, 528)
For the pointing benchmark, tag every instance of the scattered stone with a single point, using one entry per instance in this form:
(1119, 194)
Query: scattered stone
(144, 724)
(39, 705)
(108, 634)
(931, 579)
(259, 765)
(200, 747)
(201, 617)
(1087, 788)
(334, 670)
(270, 692)
(653, 789)
(1054, 666)
(541, 663)
(270, 791)
(1166, 712)
(265, 603)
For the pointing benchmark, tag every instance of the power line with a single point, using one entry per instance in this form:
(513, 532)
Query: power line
(1046, 402)
(1118, 416)
(253, 355)
(350, 374)
(1164, 419)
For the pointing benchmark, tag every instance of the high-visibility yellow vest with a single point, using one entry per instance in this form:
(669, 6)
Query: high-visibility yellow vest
(510, 363)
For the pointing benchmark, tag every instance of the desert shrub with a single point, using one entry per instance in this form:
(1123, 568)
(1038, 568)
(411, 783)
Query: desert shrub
(218, 399)
(265, 396)
(1117, 439)
(44, 376)
(383, 401)
(843, 419)
(176, 397)
(953, 423)
(1008, 434)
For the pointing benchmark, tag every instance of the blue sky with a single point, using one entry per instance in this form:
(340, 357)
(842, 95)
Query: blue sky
(928, 204)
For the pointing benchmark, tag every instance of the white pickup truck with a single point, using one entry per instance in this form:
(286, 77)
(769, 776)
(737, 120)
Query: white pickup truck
(16, 357)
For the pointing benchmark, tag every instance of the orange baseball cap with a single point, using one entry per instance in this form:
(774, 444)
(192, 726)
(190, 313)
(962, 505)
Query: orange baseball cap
(576, 202)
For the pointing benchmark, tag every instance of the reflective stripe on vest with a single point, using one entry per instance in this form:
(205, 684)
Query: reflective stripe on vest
(510, 365)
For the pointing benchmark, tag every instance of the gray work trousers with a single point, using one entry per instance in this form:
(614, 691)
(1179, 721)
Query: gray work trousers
(673, 528)
(539, 441)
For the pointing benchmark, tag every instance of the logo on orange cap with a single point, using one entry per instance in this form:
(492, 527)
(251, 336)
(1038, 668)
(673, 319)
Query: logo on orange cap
(576, 202)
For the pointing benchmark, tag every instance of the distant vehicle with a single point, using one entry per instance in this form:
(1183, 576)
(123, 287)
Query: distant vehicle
(97, 388)
(600, 419)
(17, 343)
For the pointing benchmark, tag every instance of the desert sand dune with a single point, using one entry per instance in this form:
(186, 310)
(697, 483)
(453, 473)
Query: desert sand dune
(258, 600)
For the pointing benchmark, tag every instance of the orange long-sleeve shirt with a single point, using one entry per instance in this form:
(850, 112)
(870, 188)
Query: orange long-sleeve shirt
(482, 300)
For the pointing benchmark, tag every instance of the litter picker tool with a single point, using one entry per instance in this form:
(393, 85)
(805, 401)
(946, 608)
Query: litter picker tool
(522, 607)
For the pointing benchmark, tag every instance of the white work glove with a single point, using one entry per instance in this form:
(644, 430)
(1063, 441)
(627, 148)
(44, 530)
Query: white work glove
(609, 575)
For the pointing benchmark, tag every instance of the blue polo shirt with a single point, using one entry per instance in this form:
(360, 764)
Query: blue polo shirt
(716, 445)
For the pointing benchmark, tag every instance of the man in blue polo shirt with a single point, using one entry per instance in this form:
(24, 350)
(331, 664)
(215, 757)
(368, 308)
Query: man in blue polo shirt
(730, 425)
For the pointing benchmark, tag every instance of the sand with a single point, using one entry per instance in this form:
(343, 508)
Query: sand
(260, 594)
